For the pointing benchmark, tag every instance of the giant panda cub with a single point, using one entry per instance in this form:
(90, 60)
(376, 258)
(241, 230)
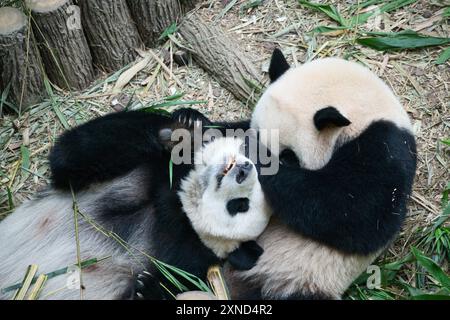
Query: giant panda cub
(210, 210)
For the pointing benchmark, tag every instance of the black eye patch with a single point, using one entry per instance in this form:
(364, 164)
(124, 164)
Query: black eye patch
(237, 205)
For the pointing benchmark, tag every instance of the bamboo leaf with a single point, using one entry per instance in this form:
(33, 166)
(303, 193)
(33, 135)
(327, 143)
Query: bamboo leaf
(25, 152)
(443, 57)
(402, 40)
(431, 297)
(169, 30)
(329, 29)
(388, 7)
(330, 10)
(432, 268)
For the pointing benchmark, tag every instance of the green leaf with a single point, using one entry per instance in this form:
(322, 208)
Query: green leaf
(446, 141)
(327, 9)
(446, 12)
(402, 40)
(443, 57)
(328, 29)
(432, 268)
(431, 297)
(391, 6)
(250, 4)
(169, 30)
(25, 152)
(175, 96)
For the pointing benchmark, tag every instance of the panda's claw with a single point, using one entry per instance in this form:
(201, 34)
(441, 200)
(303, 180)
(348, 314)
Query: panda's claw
(145, 273)
(140, 284)
(139, 296)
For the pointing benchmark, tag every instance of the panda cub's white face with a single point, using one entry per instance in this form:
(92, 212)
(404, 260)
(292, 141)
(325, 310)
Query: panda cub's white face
(222, 196)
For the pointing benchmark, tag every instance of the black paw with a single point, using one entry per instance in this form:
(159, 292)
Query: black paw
(246, 256)
(147, 287)
(189, 118)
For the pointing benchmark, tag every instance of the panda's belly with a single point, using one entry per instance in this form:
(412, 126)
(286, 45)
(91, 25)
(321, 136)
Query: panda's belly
(292, 265)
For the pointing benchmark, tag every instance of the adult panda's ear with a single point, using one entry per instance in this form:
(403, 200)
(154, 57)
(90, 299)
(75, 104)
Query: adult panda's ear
(329, 117)
(278, 65)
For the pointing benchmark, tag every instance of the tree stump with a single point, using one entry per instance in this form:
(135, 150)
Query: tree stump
(153, 17)
(110, 31)
(219, 54)
(63, 46)
(19, 60)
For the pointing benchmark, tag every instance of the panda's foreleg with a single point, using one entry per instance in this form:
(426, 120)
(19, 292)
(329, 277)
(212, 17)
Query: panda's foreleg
(356, 203)
(105, 148)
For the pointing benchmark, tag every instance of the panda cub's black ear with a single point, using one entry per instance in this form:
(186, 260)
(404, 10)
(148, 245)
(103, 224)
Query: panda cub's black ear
(278, 65)
(330, 117)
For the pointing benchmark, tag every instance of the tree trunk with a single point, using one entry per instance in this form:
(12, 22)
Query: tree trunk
(19, 60)
(219, 55)
(152, 17)
(63, 46)
(110, 31)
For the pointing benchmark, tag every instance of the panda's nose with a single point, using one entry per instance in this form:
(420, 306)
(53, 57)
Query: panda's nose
(243, 170)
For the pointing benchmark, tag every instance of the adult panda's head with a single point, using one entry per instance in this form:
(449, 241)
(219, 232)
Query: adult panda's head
(318, 106)
(222, 196)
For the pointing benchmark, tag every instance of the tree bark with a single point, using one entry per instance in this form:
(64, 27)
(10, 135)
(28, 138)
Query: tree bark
(152, 17)
(63, 46)
(19, 60)
(110, 31)
(219, 54)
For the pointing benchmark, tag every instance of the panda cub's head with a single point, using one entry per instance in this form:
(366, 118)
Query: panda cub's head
(222, 196)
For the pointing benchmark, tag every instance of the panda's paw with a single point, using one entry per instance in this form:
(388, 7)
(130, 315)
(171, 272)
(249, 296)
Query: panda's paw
(245, 256)
(190, 118)
(146, 287)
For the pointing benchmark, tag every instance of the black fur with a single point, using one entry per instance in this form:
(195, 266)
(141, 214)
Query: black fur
(278, 65)
(357, 202)
(105, 148)
(329, 117)
(238, 205)
(246, 256)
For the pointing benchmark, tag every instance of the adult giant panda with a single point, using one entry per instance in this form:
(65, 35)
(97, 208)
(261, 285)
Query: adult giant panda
(220, 195)
(347, 164)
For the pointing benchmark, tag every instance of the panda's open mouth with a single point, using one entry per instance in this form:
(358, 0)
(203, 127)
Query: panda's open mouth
(229, 166)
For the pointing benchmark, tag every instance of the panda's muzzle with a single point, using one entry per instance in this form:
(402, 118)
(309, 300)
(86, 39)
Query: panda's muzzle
(243, 170)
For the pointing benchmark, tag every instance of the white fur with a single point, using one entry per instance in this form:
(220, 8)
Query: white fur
(292, 263)
(206, 206)
(290, 103)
